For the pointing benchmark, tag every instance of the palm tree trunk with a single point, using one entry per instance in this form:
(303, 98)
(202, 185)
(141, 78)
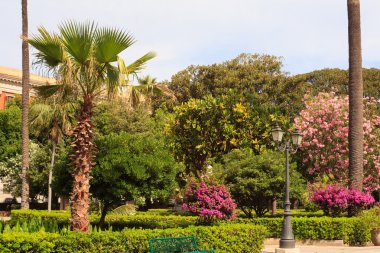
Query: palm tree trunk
(25, 108)
(51, 175)
(355, 91)
(82, 156)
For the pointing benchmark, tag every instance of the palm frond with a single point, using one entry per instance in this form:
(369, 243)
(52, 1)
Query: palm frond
(46, 91)
(49, 47)
(112, 80)
(109, 42)
(78, 39)
(139, 64)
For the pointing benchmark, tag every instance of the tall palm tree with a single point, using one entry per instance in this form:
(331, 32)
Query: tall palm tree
(25, 108)
(56, 117)
(355, 91)
(85, 61)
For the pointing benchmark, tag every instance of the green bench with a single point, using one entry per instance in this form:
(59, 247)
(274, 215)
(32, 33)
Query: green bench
(175, 245)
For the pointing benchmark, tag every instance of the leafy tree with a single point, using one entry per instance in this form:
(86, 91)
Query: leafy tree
(10, 132)
(256, 180)
(11, 168)
(114, 117)
(85, 61)
(55, 118)
(212, 127)
(324, 150)
(130, 166)
(258, 77)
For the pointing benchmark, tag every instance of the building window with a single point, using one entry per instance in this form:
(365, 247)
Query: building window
(9, 99)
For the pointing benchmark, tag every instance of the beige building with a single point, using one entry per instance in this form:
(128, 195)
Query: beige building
(11, 84)
(11, 87)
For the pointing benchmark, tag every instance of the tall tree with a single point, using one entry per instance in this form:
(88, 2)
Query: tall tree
(355, 92)
(25, 107)
(85, 60)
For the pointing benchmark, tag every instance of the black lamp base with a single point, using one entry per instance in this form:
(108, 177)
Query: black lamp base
(287, 244)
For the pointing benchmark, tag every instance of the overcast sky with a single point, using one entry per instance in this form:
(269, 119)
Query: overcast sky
(308, 34)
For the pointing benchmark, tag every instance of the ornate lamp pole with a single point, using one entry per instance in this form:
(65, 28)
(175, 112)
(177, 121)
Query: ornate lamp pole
(287, 242)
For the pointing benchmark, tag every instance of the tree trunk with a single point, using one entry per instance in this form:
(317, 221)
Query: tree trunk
(25, 108)
(355, 91)
(274, 206)
(104, 213)
(82, 156)
(51, 175)
(64, 201)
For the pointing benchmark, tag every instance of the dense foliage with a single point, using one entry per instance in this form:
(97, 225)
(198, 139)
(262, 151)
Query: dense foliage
(324, 124)
(211, 127)
(133, 166)
(256, 180)
(10, 132)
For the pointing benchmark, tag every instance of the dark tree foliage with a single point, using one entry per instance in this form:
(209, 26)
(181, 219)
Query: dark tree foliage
(10, 132)
(256, 180)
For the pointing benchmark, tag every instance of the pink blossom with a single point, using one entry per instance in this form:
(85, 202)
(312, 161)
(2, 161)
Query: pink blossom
(324, 124)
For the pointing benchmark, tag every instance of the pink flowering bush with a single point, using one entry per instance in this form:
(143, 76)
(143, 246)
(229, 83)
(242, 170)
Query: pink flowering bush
(324, 124)
(336, 199)
(209, 201)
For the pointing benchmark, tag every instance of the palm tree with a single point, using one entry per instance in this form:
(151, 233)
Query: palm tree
(25, 108)
(85, 61)
(355, 91)
(55, 117)
(144, 92)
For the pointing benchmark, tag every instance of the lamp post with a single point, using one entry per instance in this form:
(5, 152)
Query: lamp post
(287, 242)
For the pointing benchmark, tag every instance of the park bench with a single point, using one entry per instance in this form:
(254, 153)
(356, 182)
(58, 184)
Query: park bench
(175, 245)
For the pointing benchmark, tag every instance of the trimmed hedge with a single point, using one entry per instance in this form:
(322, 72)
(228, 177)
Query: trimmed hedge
(351, 230)
(226, 238)
(118, 222)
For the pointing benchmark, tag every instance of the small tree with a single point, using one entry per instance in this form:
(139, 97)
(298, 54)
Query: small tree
(130, 166)
(255, 181)
(209, 201)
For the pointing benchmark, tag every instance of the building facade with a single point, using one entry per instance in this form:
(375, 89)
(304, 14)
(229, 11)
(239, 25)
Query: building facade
(11, 87)
(11, 84)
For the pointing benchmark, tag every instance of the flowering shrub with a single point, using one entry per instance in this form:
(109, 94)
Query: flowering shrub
(324, 124)
(336, 199)
(210, 202)
(359, 200)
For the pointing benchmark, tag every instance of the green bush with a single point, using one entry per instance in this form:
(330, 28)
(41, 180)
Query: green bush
(226, 238)
(351, 230)
(118, 222)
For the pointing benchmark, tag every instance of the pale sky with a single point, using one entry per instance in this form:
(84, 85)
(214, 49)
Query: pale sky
(308, 34)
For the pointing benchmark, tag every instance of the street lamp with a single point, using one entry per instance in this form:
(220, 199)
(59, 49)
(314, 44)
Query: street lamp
(287, 242)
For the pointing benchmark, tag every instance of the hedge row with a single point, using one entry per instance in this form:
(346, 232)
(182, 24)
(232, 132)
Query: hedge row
(226, 238)
(118, 222)
(351, 230)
